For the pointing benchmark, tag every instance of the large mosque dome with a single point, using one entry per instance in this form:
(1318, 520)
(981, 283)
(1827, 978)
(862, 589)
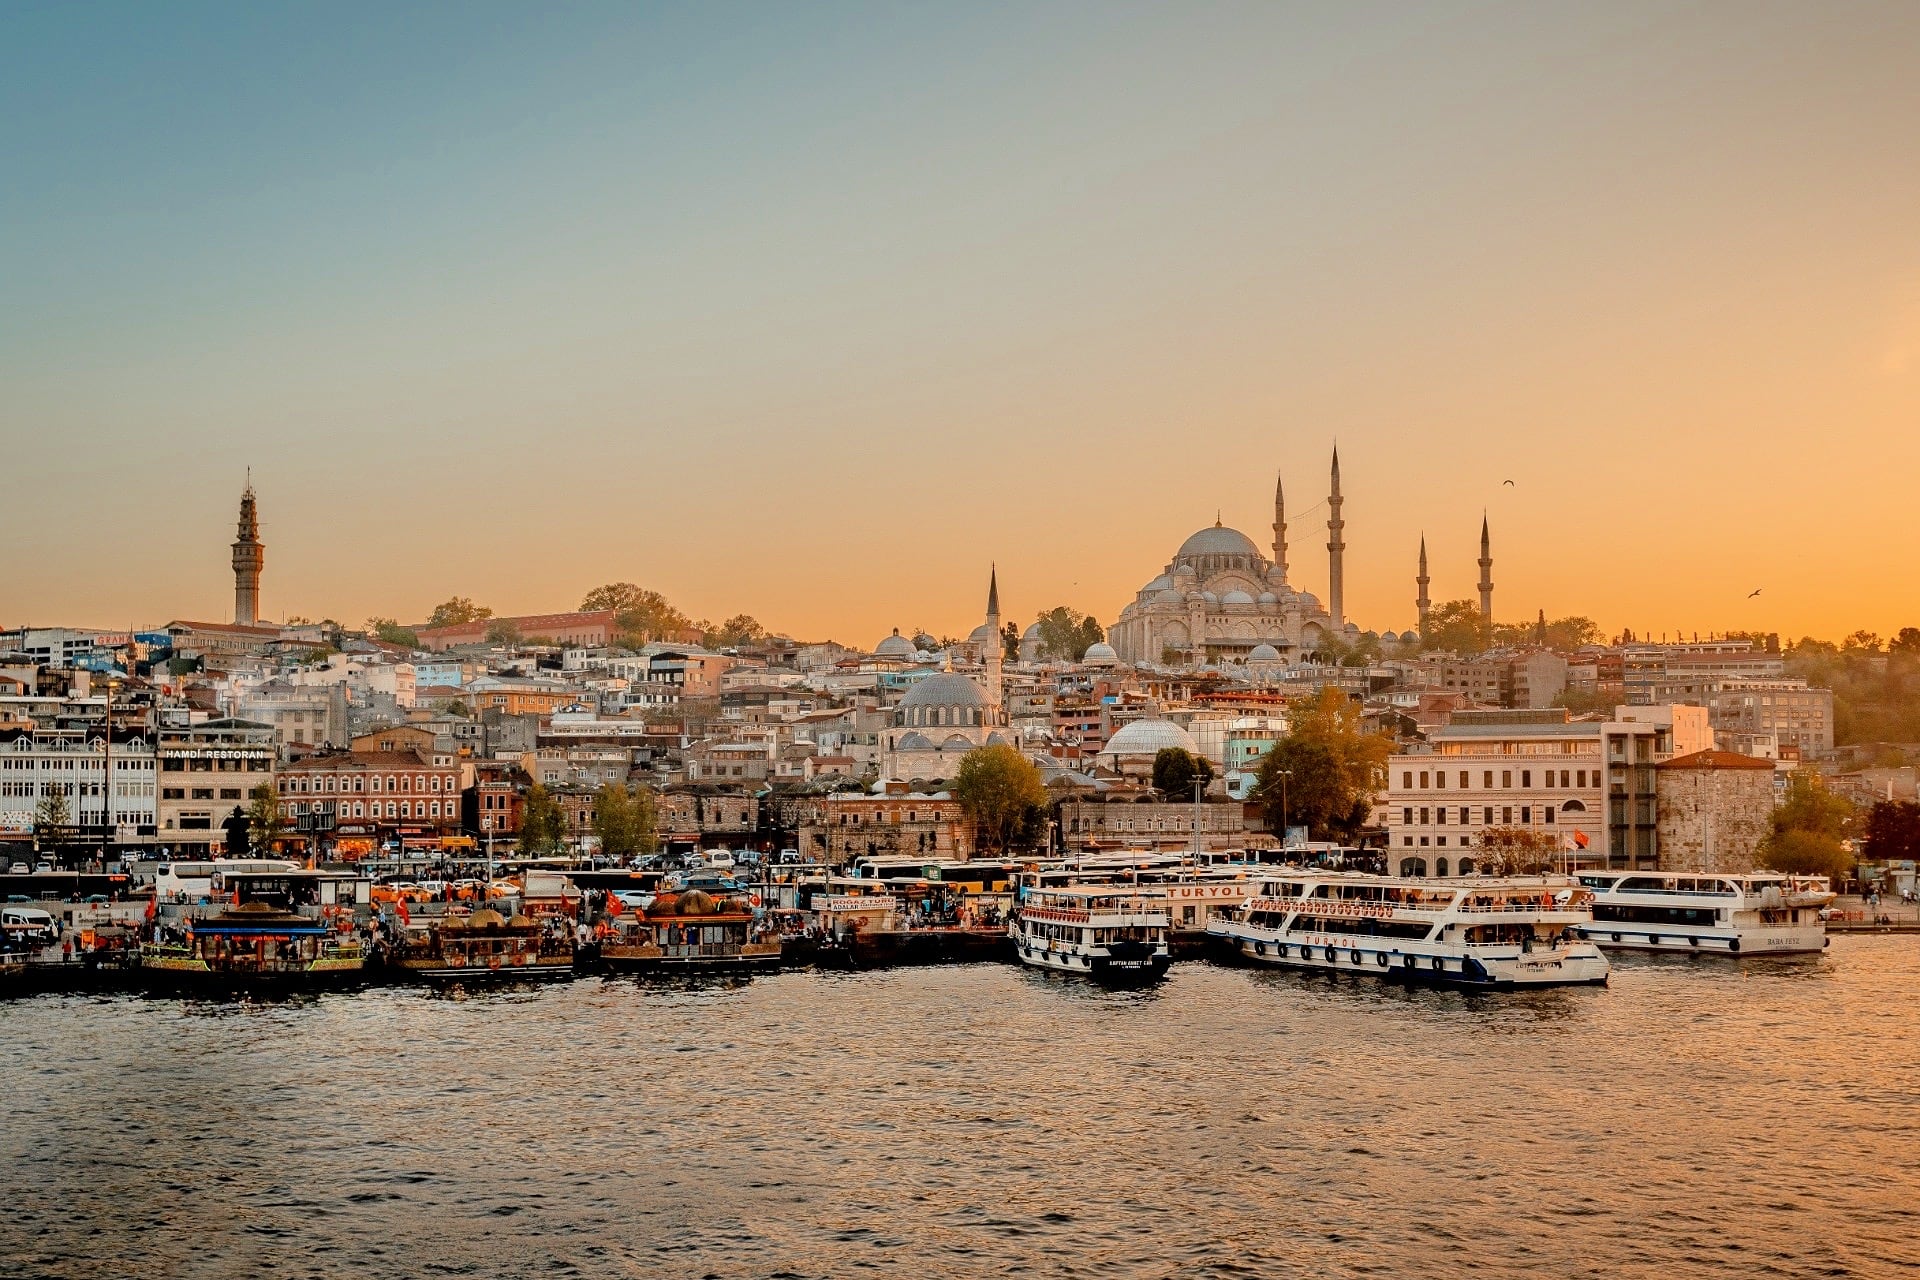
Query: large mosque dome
(1217, 540)
(1148, 737)
(942, 700)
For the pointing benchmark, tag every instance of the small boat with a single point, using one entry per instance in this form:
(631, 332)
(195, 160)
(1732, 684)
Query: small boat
(1487, 932)
(487, 947)
(694, 930)
(254, 947)
(1110, 933)
(1708, 913)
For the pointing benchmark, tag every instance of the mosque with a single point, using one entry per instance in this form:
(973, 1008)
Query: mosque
(1221, 600)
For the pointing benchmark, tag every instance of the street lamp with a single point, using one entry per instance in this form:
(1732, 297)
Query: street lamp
(1283, 775)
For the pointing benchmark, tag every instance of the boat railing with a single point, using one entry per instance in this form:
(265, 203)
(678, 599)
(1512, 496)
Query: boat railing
(1369, 908)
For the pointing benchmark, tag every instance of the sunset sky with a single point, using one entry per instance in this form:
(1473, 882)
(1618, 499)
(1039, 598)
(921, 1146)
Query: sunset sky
(813, 311)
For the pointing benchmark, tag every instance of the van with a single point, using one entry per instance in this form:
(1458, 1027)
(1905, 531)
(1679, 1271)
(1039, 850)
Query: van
(720, 859)
(28, 927)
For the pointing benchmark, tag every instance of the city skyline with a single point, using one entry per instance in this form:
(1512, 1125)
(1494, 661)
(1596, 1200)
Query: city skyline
(815, 317)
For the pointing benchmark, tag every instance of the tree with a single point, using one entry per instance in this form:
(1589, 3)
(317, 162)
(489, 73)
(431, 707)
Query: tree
(458, 610)
(1010, 642)
(1581, 701)
(1175, 770)
(740, 629)
(1454, 627)
(391, 632)
(639, 615)
(543, 825)
(1517, 851)
(455, 708)
(1001, 794)
(264, 823)
(1810, 807)
(1806, 853)
(1335, 768)
(500, 631)
(1066, 634)
(623, 819)
(1893, 831)
(51, 812)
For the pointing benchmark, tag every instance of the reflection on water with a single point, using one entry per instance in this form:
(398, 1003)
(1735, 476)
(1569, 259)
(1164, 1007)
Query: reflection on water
(1695, 1118)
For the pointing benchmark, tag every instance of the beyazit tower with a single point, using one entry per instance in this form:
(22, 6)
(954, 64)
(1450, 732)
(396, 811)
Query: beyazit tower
(249, 557)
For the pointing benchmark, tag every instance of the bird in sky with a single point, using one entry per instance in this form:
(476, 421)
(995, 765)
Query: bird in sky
(1509, 484)
(1751, 594)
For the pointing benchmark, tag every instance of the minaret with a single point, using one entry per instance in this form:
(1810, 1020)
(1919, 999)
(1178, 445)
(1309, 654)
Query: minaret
(249, 556)
(993, 656)
(1486, 582)
(1280, 530)
(1336, 547)
(1422, 602)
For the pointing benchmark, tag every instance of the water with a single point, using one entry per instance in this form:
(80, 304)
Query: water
(1693, 1119)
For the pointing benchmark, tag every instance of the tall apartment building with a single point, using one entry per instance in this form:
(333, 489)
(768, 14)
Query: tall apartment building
(1591, 783)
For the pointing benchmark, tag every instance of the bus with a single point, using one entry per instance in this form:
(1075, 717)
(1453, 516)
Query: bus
(193, 881)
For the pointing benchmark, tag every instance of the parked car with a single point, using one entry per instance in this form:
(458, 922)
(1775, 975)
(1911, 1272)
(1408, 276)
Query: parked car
(720, 859)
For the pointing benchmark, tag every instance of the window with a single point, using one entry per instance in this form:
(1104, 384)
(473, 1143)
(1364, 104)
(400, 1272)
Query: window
(1423, 779)
(1406, 781)
(1563, 779)
(1406, 816)
(1423, 817)
(1488, 781)
(1506, 777)
(1440, 816)
(1526, 815)
(1549, 815)
(1526, 777)
(1506, 815)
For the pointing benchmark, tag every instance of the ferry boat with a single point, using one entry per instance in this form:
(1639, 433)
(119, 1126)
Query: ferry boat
(1708, 913)
(693, 930)
(1113, 933)
(254, 947)
(1489, 932)
(486, 947)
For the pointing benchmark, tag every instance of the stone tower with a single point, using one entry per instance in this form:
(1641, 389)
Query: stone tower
(1336, 550)
(1422, 602)
(249, 557)
(1486, 582)
(1279, 530)
(994, 655)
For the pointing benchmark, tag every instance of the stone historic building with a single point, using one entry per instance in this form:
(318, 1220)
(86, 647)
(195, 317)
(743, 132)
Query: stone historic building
(1714, 808)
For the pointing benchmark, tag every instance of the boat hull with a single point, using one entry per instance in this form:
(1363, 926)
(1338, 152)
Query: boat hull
(1779, 940)
(1113, 970)
(1560, 967)
(546, 970)
(885, 948)
(197, 978)
(754, 957)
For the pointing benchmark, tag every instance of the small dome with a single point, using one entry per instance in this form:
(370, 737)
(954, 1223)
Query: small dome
(957, 742)
(1217, 541)
(1267, 597)
(1032, 632)
(1209, 597)
(1160, 583)
(894, 646)
(1147, 737)
(1236, 597)
(1100, 655)
(1263, 653)
(982, 634)
(485, 918)
(915, 741)
(998, 739)
(696, 902)
(944, 689)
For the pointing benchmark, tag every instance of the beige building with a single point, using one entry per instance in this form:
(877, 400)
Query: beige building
(836, 829)
(1715, 808)
(1588, 783)
(205, 772)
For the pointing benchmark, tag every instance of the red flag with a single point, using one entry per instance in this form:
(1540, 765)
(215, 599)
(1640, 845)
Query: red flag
(153, 906)
(1580, 838)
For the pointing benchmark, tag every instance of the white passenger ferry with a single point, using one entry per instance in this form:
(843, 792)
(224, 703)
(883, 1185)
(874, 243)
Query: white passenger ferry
(1765, 913)
(1474, 931)
(1113, 933)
